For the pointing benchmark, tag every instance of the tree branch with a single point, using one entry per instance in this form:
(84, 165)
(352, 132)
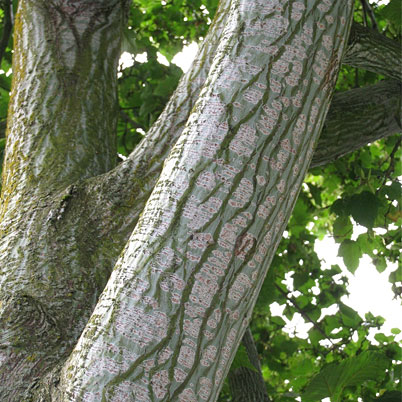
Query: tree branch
(305, 315)
(160, 244)
(372, 51)
(372, 113)
(358, 117)
(63, 283)
(367, 9)
(247, 385)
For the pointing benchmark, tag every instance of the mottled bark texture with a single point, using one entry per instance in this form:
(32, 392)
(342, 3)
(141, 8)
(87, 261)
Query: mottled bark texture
(370, 114)
(180, 297)
(60, 130)
(247, 385)
(60, 236)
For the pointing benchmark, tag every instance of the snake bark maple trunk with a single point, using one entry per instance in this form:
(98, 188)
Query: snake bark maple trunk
(61, 129)
(179, 300)
(50, 237)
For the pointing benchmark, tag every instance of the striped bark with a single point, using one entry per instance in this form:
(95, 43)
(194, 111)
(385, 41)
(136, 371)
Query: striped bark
(60, 130)
(177, 304)
(59, 237)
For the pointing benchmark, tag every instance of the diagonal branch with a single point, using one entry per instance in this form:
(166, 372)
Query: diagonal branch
(358, 117)
(166, 226)
(367, 9)
(372, 51)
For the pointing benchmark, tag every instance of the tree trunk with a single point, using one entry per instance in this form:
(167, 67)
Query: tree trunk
(66, 234)
(179, 300)
(61, 129)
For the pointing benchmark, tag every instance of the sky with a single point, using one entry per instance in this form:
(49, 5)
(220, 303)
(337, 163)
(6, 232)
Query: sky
(369, 290)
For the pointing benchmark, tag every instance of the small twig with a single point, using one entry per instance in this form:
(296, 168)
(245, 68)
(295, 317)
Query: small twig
(373, 19)
(124, 139)
(391, 166)
(364, 6)
(357, 78)
(306, 316)
(368, 10)
(394, 149)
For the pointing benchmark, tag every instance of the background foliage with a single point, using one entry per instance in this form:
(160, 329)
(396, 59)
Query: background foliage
(338, 359)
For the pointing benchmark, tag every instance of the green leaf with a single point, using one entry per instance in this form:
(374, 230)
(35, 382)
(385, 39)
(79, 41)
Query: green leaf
(315, 193)
(380, 264)
(5, 82)
(242, 360)
(128, 42)
(299, 278)
(394, 191)
(315, 336)
(300, 217)
(390, 396)
(349, 316)
(305, 367)
(393, 12)
(268, 293)
(331, 322)
(333, 378)
(278, 321)
(350, 251)
(166, 87)
(396, 276)
(364, 208)
(342, 228)
(383, 338)
(339, 207)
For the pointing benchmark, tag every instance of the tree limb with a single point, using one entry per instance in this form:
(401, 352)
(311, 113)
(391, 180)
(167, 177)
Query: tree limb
(372, 51)
(247, 385)
(355, 118)
(367, 9)
(358, 117)
(163, 228)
